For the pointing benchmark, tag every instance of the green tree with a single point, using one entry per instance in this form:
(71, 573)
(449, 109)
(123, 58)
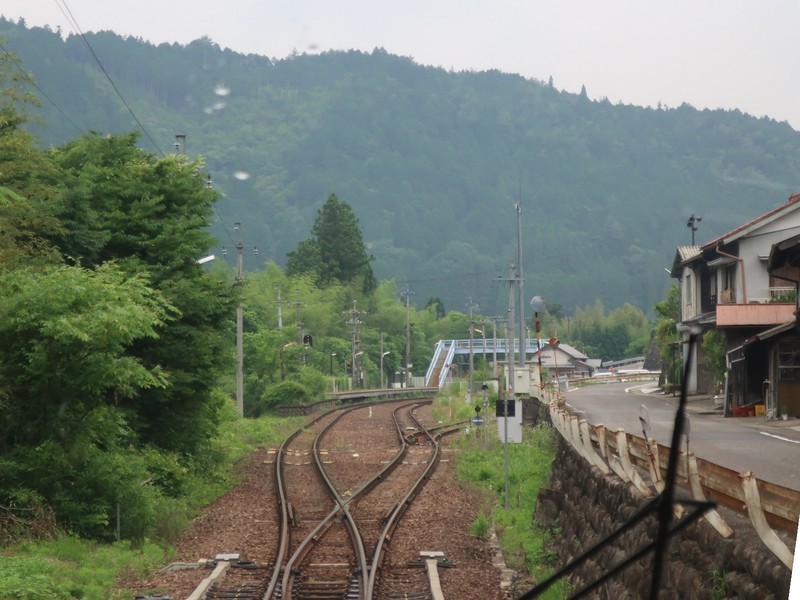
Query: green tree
(65, 372)
(713, 346)
(26, 176)
(335, 252)
(438, 306)
(151, 216)
(666, 335)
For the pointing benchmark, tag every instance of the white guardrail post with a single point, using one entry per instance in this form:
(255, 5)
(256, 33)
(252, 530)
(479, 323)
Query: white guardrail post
(578, 434)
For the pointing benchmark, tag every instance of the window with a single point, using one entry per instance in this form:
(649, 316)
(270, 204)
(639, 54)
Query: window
(688, 291)
(789, 360)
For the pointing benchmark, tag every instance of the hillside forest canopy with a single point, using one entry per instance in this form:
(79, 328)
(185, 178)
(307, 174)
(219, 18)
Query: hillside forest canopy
(431, 161)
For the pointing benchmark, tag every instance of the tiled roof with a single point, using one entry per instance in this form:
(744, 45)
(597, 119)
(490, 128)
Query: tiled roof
(687, 252)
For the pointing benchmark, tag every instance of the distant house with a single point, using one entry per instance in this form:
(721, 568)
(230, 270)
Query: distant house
(727, 285)
(562, 360)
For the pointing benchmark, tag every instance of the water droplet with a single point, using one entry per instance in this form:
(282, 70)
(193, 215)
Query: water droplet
(222, 90)
(242, 175)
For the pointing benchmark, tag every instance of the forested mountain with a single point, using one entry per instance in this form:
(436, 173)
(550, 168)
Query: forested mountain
(431, 161)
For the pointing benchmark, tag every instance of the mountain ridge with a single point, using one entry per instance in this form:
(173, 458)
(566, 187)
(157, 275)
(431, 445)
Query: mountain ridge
(432, 161)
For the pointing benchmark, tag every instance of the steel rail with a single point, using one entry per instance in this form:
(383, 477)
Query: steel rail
(399, 509)
(283, 505)
(311, 539)
(341, 508)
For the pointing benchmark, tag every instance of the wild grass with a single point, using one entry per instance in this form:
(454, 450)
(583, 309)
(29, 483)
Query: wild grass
(69, 567)
(481, 462)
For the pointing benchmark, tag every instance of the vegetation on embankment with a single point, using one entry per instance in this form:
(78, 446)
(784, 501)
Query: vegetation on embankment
(60, 565)
(481, 462)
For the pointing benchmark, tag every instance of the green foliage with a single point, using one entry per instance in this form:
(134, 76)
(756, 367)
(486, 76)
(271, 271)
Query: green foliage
(666, 336)
(713, 346)
(481, 526)
(335, 252)
(65, 332)
(285, 393)
(718, 585)
(621, 333)
(524, 544)
(150, 216)
(438, 307)
(68, 567)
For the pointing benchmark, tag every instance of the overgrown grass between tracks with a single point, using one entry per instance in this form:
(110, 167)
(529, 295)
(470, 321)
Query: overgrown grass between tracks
(481, 462)
(68, 567)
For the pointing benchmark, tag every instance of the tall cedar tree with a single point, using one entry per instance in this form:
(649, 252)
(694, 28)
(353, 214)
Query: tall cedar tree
(335, 252)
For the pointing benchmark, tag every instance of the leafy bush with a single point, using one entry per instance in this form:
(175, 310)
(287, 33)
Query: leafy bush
(284, 393)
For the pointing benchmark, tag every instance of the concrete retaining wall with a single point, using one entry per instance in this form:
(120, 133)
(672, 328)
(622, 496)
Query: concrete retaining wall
(582, 506)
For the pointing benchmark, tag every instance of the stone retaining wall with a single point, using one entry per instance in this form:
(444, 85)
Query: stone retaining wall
(582, 506)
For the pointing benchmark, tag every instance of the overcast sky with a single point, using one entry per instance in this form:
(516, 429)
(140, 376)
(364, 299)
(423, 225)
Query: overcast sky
(709, 53)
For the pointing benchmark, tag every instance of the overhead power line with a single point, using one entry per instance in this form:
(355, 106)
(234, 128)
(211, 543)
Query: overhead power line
(42, 93)
(74, 24)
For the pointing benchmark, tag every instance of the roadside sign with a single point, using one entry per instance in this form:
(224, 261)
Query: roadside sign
(477, 420)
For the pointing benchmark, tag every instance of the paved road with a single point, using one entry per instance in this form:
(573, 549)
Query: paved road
(770, 449)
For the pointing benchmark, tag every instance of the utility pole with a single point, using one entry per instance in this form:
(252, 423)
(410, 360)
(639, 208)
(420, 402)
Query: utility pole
(239, 319)
(520, 284)
(510, 383)
(280, 313)
(494, 321)
(239, 315)
(383, 354)
(355, 320)
(239, 334)
(298, 306)
(407, 367)
(470, 305)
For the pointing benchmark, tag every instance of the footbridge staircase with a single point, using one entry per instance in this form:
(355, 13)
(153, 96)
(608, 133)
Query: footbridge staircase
(444, 355)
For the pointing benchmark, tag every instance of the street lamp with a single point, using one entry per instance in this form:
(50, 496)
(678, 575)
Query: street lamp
(483, 335)
(382, 374)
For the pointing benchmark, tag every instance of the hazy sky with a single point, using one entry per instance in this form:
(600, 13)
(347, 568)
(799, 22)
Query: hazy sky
(709, 53)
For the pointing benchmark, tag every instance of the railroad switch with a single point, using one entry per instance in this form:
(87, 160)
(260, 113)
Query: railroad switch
(432, 560)
(425, 555)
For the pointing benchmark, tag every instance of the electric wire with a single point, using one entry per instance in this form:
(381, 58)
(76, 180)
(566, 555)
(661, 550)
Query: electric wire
(74, 24)
(65, 10)
(32, 81)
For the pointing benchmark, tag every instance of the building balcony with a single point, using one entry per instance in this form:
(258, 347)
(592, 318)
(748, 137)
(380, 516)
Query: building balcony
(772, 313)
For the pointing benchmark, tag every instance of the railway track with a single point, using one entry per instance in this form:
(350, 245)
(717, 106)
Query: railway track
(340, 496)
